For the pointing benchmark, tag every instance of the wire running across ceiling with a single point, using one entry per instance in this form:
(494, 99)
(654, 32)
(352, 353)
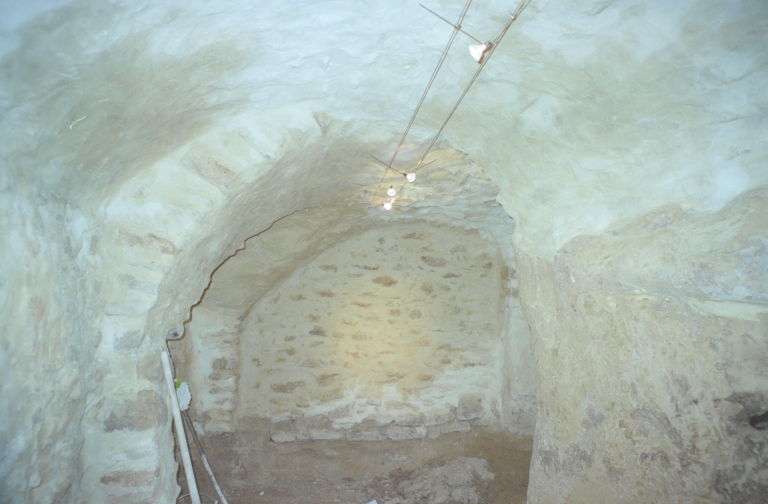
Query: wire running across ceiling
(482, 53)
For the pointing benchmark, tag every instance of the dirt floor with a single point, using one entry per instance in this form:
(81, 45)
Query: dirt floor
(480, 466)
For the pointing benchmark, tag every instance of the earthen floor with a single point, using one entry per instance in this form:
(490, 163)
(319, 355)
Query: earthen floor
(252, 469)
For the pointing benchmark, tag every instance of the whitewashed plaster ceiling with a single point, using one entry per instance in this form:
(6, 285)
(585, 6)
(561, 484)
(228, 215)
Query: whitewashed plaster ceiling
(590, 113)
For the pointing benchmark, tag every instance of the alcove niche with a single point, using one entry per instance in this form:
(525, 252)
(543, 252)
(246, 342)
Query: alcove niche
(351, 323)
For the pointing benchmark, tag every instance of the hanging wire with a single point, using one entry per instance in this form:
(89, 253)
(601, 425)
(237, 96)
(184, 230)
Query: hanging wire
(204, 495)
(456, 29)
(191, 429)
(388, 167)
(512, 18)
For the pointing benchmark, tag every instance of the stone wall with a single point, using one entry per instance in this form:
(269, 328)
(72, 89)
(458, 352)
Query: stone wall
(394, 329)
(390, 330)
(84, 414)
(456, 199)
(517, 367)
(211, 367)
(651, 357)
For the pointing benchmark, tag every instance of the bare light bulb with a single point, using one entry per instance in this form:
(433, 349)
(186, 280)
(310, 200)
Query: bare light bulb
(478, 51)
(410, 177)
(391, 191)
(387, 206)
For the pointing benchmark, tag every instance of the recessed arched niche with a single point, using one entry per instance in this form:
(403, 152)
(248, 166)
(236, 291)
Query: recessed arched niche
(336, 324)
(390, 333)
(369, 328)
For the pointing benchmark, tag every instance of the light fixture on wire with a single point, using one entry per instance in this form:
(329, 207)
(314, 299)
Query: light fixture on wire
(481, 53)
(478, 51)
(481, 57)
(391, 191)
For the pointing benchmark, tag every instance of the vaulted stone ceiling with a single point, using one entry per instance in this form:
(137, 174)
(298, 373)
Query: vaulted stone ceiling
(583, 103)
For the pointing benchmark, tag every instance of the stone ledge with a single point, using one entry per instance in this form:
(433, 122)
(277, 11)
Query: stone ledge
(318, 428)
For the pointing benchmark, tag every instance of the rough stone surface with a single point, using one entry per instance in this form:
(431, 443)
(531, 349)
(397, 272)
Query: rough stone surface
(410, 293)
(335, 339)
(651, 356)
(422, 321)
(46, 348)
(470, 407)
(462, 480)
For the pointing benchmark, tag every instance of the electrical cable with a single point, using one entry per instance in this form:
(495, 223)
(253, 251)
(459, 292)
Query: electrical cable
(423, 96)
(204, 495)
(456, 29)
(496, 41)
(191, 428)
(455, 26)
(188, 421)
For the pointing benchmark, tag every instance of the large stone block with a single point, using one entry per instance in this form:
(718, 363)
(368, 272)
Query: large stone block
(145, 412)
(400, 432)
(470, 407)
(393, 337)
(130, 478)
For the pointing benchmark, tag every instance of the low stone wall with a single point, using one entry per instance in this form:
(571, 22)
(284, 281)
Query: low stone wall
(470, 411)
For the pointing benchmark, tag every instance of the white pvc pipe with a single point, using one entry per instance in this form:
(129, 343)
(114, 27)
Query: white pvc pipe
(190, 473)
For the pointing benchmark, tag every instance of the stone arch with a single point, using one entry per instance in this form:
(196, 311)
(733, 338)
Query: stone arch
(169, 228)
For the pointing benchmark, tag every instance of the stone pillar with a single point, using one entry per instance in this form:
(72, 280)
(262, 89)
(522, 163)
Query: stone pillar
(127, 455)
(128, 451)
(212, 348)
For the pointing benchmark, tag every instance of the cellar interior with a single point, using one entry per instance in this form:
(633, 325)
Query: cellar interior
(569, 304)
